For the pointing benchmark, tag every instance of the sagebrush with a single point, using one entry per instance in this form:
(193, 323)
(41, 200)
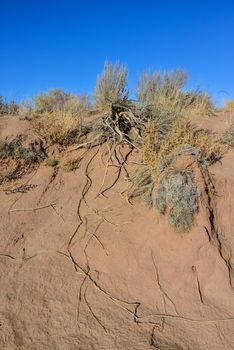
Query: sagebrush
(111, 86)
(178, 194)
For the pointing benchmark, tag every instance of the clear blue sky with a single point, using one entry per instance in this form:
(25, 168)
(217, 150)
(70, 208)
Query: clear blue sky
(63, 43)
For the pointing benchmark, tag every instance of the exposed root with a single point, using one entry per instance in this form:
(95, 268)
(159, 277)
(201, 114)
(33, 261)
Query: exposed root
(121, 166)
(83, 145)
(94, 235)
(93, 314)
(198, 284)
(159, 284)
(34, 209)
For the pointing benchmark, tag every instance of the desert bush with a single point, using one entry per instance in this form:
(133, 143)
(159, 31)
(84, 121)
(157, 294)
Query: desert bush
(178, 194)
(228, 137)
(58, 116)
(111, 86)
(151, 88)
(10, 108)
(16, 160)
(182, 132)
(57, 126)
(162, 91)
(186, 133)
(14, 150)
(25, 110)
(58, 100)
(228, 105)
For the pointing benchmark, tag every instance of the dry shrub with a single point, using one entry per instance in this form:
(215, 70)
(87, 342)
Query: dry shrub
(228, 105)
(9, 108)
(16, 160)
(58, 116)
(183, 132)
(111, 86)
(151, 88)
(162, 91)
(156, 130)
(58, 126)
(228, 137)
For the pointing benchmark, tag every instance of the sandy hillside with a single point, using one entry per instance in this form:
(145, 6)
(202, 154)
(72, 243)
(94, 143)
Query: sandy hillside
(82, 268)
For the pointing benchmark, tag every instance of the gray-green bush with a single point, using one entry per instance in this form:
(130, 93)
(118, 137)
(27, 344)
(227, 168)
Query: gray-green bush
(178, 193)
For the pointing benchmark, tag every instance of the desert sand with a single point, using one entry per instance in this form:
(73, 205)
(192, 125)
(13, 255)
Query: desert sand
(80, 270)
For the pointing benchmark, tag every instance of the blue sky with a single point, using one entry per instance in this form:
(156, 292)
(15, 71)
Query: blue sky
(58, 43)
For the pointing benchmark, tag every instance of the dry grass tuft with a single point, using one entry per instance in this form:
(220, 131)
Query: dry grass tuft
(228, 105)
(111, 86)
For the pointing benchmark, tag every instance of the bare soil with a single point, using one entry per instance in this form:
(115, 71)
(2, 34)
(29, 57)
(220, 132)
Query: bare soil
(85, 270)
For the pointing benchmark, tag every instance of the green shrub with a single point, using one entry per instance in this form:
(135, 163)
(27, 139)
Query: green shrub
(111, 86)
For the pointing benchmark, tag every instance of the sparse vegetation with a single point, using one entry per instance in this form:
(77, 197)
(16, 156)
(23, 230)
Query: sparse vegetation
(16, 160)
(10, 108)
(156, 125)
(228, 105)
(111, 86)
(162, 91)
(71, 164)
(228, 137)
(182, 132)
(58, 116)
